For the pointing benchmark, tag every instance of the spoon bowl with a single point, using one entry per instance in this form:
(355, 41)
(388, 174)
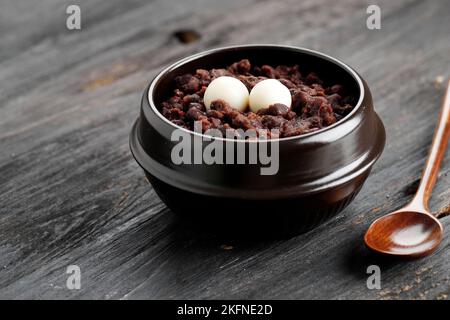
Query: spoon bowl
(405, 233)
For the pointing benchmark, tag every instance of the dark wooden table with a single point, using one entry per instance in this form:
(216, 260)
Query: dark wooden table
(71, 194)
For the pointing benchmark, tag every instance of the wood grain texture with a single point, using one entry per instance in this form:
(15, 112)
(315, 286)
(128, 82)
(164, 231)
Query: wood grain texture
(70, 192)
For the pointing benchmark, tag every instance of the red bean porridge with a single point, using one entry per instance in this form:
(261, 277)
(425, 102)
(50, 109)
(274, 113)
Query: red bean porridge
(314, 104)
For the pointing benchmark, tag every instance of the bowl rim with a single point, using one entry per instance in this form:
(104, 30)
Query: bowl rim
(151, 88)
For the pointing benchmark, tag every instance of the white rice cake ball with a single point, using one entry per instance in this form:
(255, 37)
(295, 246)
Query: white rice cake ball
(228, 89)
(268, 92)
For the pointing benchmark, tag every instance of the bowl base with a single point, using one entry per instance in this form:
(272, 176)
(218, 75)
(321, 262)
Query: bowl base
(255, 219)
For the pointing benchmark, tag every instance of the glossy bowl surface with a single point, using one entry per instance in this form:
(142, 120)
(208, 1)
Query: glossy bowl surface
(318, 174)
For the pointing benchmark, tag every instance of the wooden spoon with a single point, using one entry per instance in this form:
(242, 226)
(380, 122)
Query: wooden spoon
(413, 231)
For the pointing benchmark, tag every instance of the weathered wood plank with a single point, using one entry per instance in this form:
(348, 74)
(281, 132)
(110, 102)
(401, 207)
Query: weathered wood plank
(71, 193)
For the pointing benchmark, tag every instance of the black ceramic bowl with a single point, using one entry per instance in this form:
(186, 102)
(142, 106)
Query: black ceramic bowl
(319, 173)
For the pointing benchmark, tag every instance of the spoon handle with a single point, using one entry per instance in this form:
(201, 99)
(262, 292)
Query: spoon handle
(435, 156)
